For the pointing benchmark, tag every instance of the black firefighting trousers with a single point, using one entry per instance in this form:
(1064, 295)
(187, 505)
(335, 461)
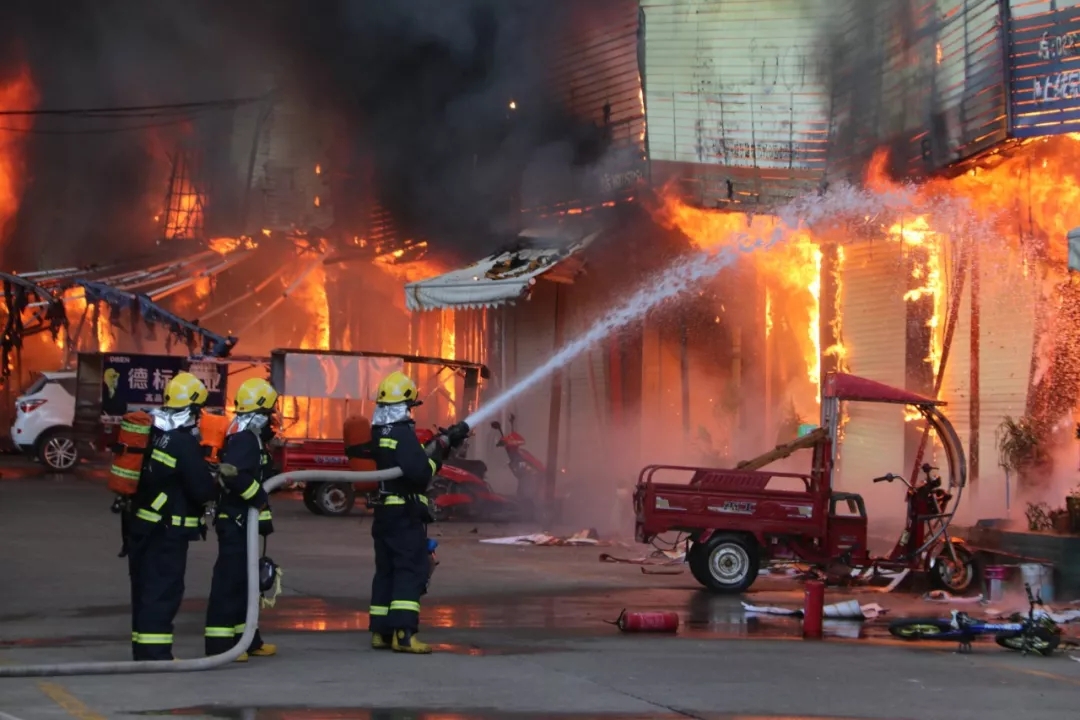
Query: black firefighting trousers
(226, 610)
(402, 564)
(157, 560)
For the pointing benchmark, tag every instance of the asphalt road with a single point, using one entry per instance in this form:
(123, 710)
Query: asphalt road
(519, 632)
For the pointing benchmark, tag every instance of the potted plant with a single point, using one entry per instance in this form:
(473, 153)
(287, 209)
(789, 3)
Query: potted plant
(1038, 517)
(1059, 521)
(1021, 449)
(1072, 505)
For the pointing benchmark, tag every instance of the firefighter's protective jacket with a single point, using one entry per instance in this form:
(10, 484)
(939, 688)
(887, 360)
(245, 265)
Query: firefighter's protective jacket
(396, 445)
(175, 483)
(244, 450)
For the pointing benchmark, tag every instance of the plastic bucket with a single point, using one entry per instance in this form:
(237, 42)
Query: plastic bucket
(1040, 578)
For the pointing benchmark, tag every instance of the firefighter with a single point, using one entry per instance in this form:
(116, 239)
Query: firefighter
(175, 484)
(245, 464)
(402, 559)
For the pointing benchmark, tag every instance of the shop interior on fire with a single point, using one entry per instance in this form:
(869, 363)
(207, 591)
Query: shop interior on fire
(914, 298)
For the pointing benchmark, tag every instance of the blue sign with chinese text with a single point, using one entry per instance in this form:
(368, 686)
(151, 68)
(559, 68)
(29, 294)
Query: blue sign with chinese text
(137, 382)
(1044, 73)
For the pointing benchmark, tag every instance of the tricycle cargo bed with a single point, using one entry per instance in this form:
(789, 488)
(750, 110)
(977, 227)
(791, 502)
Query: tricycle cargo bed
(736, 500)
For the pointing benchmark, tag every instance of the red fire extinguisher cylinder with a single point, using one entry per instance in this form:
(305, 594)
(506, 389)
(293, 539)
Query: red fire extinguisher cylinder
(648, 621)
(813, 609)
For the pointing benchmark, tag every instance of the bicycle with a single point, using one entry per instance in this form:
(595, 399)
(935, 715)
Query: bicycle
(1035, 633)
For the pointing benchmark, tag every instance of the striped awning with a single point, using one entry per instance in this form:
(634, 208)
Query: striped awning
(506, 276)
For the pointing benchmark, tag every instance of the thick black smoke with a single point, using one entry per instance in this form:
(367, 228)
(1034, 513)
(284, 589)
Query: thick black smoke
(419, 91)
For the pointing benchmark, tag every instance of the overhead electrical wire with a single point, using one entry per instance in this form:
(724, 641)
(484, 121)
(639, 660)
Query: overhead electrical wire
(137, 110)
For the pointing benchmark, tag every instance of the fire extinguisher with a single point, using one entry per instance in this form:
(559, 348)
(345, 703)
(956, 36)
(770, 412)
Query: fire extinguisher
(647, 621)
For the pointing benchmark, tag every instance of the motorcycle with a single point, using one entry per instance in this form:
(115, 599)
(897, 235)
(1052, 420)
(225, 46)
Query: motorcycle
(1034, 633)
(460, 490)
(526, 467)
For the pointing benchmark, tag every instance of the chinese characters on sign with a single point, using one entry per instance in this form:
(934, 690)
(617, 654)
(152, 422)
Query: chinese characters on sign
(1045, 73)
(137, 382)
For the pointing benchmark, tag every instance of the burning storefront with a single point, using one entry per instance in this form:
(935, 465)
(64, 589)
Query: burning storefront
(961, 290)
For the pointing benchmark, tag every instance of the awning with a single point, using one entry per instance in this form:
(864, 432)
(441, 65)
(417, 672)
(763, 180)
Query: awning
(506, 276)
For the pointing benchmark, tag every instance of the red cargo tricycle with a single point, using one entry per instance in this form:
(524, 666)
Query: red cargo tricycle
(737, 523)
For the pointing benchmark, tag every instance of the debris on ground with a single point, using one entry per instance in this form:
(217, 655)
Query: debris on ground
(947, 597)
(646, 571)
(849, 610)
(584, 537)
(656, 557)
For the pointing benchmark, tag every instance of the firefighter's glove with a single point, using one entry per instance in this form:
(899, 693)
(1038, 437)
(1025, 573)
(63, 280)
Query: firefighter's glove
(457, 434)
(227, 470)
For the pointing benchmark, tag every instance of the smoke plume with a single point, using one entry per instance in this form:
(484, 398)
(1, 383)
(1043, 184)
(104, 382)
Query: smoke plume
(419, 90)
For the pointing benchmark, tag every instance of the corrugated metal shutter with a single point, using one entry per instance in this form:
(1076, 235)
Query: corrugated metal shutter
(594, 72)
(873, 324)
(926, 78)
(1044, 49)
(285, 183)
(1006, 322)
(732, 95)
(968, 107)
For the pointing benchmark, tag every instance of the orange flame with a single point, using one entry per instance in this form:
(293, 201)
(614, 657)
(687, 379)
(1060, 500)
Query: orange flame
(17, 93)
(793, 266)
(448, 349)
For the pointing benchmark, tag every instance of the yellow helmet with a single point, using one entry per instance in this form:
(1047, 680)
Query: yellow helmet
(185, 390)
(255, 394)
(396, 387)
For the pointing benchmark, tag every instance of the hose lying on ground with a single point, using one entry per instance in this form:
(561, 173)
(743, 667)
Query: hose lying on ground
(252, 618)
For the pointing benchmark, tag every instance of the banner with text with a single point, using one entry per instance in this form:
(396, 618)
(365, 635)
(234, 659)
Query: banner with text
(1044, 69)
(137, 382)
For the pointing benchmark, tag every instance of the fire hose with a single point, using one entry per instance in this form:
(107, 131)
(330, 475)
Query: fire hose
(252, 617)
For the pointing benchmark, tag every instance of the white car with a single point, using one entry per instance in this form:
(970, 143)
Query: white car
(43, 419)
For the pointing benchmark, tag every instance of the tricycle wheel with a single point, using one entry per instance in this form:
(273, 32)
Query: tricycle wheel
(1041, 641)
(309, 498)
(726, 562)
(921, 629)
(335, 499)
(957, 576)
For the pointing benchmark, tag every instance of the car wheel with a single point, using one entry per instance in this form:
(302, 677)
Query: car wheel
(57, 450)
(727, 563)
(335, 499)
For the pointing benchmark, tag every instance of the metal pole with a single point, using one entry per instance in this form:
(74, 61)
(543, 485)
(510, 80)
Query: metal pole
(973, 390)
(554, 415)
(684, 372)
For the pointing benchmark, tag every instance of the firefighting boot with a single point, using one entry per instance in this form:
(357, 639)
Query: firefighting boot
(380, 641)
(243, 658)
(405, 641)
(264, 650)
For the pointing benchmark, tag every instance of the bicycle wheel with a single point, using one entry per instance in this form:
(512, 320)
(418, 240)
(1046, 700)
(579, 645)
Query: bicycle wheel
(1041, 641)
(922, 629)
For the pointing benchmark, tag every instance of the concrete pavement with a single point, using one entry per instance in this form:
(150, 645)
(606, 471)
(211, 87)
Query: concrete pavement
(519, 630)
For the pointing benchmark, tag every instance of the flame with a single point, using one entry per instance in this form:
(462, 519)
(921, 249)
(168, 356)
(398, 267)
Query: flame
(513, 105)
(641, 102)
(792, 266)
(838, 350)
(17, 93)
(225, 245)
(312, 295)
(318, 169)
(186, 219)
(918, 234)
(317, 201)
(768, 313)
(448, 350)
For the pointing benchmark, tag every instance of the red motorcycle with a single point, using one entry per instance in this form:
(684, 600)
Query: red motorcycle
(526, 467)
(460, 490)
